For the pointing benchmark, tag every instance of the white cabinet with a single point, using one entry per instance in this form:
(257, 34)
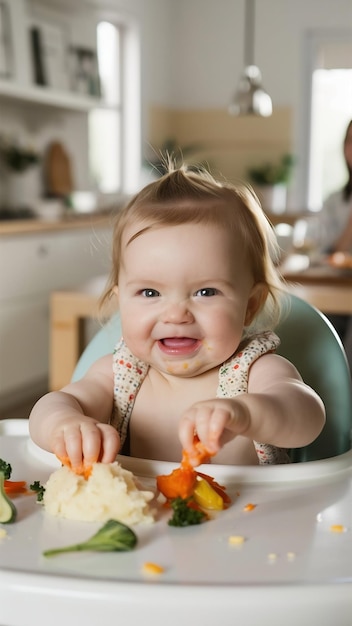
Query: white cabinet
(31, 267)
(24, 345)
(35, 264)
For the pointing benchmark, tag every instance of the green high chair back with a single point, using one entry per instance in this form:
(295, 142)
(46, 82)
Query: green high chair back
(311, 343)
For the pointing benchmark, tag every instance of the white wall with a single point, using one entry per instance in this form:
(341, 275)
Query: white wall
(192, 52)
(192, 55)
(208, 46)
(208, 42)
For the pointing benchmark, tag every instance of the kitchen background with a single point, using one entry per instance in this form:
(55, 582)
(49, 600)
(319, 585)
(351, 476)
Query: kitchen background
(92, 139)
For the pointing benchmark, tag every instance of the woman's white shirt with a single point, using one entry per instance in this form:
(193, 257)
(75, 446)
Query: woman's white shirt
(334, 217)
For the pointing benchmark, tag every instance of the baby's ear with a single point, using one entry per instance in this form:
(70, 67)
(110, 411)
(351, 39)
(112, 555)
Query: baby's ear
(115, 291)
(256, 301)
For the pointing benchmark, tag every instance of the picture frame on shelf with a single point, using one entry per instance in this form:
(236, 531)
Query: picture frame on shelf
(49, 44)
(6, 53)
(84, 71)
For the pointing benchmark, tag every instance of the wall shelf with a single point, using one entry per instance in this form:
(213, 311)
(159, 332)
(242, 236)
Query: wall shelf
(47, 96)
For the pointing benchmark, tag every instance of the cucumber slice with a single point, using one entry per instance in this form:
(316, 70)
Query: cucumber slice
(8, 510)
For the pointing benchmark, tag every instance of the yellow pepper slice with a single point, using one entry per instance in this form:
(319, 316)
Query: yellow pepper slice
(206, 496)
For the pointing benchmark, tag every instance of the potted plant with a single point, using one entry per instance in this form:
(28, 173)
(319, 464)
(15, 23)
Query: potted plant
(16, 157)
(270, 181)
(21, 179)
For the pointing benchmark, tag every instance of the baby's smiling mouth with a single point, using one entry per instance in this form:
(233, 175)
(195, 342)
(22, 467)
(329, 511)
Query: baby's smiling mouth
(179, 345)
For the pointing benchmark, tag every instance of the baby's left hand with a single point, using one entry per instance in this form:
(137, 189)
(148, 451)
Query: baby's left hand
(215, 422)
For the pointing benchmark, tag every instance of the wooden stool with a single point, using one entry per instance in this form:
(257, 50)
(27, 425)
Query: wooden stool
(69, 310)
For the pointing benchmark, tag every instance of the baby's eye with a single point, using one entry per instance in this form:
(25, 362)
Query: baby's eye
(150, 293)
(207, 291)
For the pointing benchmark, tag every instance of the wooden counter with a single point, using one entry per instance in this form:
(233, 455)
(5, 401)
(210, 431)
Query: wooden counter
(68, 222)
(327, 288)
(98, 219)
(287, 217)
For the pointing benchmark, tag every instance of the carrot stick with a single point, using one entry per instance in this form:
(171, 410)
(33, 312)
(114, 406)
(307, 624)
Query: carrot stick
(12, 486)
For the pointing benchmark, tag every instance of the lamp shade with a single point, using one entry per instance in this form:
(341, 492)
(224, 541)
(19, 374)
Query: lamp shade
(250, 97)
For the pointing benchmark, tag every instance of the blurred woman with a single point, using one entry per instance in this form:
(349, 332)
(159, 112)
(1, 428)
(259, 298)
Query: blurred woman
(337, 234)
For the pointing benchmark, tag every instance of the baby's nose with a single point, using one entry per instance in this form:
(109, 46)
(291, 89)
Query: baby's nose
(178, 313)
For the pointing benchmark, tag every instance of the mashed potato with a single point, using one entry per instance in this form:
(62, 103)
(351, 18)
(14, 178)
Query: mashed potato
(109, 493)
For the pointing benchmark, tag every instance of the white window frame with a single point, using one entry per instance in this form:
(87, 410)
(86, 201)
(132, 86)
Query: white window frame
(129, 106)
(314, 42)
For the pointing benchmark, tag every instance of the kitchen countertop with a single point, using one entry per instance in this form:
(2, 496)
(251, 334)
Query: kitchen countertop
(67, 222)
(77, 220)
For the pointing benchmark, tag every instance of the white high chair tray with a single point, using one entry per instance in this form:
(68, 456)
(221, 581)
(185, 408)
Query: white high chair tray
(291, 560)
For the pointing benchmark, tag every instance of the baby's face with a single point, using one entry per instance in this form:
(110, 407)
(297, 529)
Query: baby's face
(185, 293)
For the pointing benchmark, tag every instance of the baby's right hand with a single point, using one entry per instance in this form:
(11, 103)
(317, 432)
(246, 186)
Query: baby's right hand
(84, 441)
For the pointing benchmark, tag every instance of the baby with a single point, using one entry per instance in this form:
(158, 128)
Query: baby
(193, 273)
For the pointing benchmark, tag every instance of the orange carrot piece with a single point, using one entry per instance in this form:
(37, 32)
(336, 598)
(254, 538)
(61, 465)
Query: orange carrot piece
(80, 470)
(179, 484)
(249, 507)
(13, 487)
(197, 456)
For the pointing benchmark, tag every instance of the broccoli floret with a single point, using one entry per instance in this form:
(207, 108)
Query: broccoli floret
(6, 469)
(39, 489)
(184, 514)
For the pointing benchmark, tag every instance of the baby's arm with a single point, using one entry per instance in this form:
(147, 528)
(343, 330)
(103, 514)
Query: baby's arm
(73, 422)
(279, 409)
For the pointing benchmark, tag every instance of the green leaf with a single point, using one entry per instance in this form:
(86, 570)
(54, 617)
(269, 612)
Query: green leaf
(112, 537)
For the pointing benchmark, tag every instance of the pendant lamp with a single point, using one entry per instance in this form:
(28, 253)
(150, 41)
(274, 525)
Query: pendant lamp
(250, 97)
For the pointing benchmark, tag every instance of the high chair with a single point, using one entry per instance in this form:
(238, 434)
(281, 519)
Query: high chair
(311, 343)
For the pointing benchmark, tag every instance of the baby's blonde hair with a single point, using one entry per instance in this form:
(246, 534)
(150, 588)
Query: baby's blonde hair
(183, 196)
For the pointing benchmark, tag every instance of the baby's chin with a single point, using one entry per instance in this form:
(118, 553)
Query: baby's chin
(187, 369)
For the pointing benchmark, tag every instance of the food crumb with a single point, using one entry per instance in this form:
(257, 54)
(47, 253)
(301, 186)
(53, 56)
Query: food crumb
(3, 533)
(236, 540)
(152, 568)
(249, 507)
(337, 528)
(291, 556)
(272, 556)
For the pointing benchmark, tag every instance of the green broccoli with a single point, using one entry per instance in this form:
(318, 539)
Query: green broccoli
(184, 514)
(39, 489)
(6, 469)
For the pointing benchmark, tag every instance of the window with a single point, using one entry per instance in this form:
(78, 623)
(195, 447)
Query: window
(114, 126)
(331, 111)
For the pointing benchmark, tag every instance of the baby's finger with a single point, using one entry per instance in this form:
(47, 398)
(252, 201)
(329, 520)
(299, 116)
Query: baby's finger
(186, 430)
(73, 443)
(110, 443)
(216, 426)
(91, 442)
(202, 423)
(58, 447)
